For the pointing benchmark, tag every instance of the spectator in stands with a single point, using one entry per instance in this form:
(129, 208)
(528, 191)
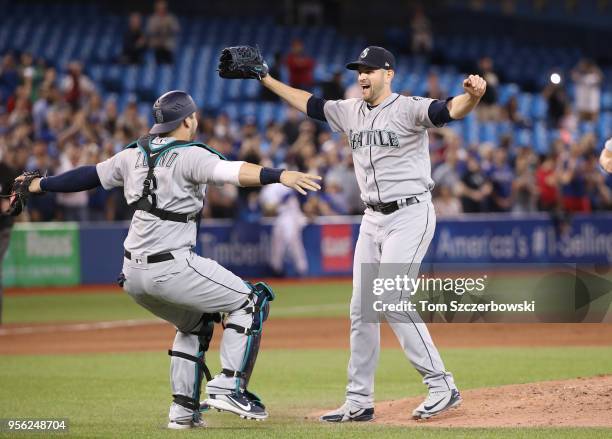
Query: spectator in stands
(43, 207)
(448, 173)
(20, 112)
(300, 66)
(524, 187)
(333, 89)
(162, 32)
(73, 205)
(31, 75)
(445, 203)
(221, 201)
(134, 41)
(434, 91)
(275, 145)
(292, 124)
(558, 104)
(501, 177)
(475, 187)
(131, 121)
(511, 114)
(548, 183)
(249, 208)
(587, 79)
(572, 177)
(421, 33)
(9, 77)
(110, 117)
(76, 86)
(7, 175)
(488, 109)
(49, 98)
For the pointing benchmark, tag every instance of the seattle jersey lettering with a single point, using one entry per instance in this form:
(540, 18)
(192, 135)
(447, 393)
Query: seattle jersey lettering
(364, 138)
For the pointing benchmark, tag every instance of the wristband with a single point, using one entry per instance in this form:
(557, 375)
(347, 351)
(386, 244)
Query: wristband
(609, 144)
(270, 175)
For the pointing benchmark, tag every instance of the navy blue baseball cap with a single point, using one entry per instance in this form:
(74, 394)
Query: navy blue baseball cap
(170, 109)
(374, 57)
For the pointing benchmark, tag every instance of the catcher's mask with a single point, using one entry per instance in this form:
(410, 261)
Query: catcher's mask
(170, 109)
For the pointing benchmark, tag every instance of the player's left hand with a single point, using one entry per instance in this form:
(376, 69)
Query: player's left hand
(475, 86)
(300, 182)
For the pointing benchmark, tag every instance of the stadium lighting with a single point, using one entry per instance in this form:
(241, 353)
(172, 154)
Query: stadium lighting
(555, 78)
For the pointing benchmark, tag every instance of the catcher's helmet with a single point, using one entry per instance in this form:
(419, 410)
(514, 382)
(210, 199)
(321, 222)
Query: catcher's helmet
(170, 109)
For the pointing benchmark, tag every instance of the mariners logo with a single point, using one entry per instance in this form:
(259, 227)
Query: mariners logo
(364, 53)
(159, 116)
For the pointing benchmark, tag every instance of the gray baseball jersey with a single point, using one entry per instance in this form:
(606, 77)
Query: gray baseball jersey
(389, 142)
(183, 174)
(391, 156)
(182, 288)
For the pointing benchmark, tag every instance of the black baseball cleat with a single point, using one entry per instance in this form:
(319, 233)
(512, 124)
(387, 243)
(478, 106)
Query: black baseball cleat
(239, 404)
(348, 413)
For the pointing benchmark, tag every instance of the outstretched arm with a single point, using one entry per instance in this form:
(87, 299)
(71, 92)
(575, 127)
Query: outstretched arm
(79, 179)
(295, 97)
(461, 105)
(249, 174)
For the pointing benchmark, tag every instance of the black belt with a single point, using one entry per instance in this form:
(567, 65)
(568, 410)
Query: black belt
(160, 257)
(388, 208)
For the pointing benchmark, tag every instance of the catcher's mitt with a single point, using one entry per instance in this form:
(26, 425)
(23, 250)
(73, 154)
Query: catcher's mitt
(21, 193)
(242, 62)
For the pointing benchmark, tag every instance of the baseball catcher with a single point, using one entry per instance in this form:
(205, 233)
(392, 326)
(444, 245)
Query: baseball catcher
(164, 176)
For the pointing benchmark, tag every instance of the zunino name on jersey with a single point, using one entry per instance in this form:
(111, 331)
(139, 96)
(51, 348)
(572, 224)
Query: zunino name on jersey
(167, 159)
(384, 138)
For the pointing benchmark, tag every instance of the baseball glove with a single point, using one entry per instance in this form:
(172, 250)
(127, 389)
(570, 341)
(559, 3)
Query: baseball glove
(242, 62)
(21, 193)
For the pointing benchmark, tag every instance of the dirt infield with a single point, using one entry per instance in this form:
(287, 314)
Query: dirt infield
(582, 402)
(319, 333)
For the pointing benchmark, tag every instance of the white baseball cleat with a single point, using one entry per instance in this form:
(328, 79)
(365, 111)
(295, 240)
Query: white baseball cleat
(436, 403)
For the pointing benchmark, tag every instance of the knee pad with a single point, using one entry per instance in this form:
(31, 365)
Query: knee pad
(258, 306)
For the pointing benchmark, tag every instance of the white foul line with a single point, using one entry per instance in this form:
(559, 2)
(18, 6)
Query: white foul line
(75, 327)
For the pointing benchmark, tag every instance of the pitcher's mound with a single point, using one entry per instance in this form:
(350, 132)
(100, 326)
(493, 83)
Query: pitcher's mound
(581, 402)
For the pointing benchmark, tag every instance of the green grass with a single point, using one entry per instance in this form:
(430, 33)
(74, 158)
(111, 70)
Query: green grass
(329, 300)
(127, 395)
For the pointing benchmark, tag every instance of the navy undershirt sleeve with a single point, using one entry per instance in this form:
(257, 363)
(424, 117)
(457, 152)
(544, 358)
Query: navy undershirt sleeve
(314, 108)
(438, 112)
(76, 180)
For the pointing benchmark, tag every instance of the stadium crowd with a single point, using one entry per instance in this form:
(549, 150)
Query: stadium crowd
(55, 120)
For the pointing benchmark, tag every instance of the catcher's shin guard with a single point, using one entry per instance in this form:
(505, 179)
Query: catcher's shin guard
(257, 308)
(188, 366)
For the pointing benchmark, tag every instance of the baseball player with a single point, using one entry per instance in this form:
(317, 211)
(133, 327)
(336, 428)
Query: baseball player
(388, 136)
(605, 159)
(164, 176)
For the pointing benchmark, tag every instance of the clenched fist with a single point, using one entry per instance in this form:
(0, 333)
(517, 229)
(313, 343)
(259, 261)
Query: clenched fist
(475, 86)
